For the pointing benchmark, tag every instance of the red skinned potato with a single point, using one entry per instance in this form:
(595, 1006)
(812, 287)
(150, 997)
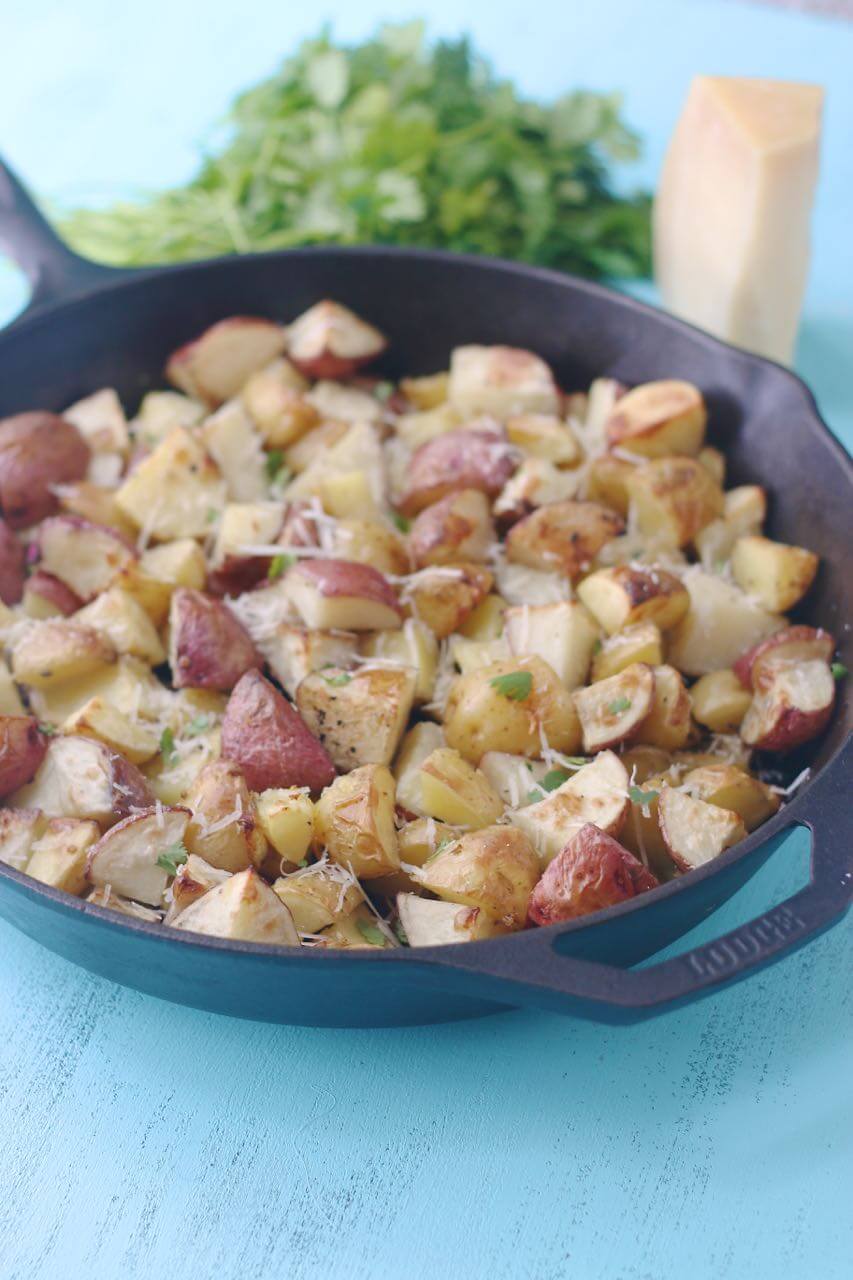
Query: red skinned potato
(593, 871)
(794, 707)
(330, 341)
(269, 740)
(87, 557)
(209, 648)
(22, 749)
(474, 458)
(214, 366)
(37, 452)
(343, 595)
(12, 561)
(757, 667)
(81, 777)
(45, 597)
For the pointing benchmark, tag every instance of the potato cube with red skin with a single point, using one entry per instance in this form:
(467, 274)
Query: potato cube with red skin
(38, 451)
(127, 857)
(342, 595)
(658, 419)
(46, 597)
(791, 708)
(101, 421)
(209, 648)
(22, 748)
(590, 873)
(330, 341)
(628, 594)
(695, 832)
(214, 366)
(730, 787)
(504, 381)
(83, 778)
(563, 536)
(611, 710)
(12, 565)
(673, 499)
(596, 793)
(85, 556)
(358, 716)
(473, 458)
(269, 740)
(757, 668)
(457, 527)
(372, 542)
(778, 574)
(95, 503)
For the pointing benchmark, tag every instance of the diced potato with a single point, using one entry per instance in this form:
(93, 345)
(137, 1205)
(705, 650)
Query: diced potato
(10, 699)
(638, 643)
(794, 707)
(132, 856)
(82, 778)
(563, 536)
(309, 448)
(453, 791)
(544, 436)
(719, 701)
(515, 778)
(19, 829)
(562, 634)
(536, 483)
(641, 833)
(643, 761)
(731, 788)
(486, 621)
(371, 542)
(443, 597)
(657, 419)
(426, 392)
(758, 667)
(193, 880)
(413, 646)
(415, 429)
(216, 364)
(85, 556)
(121, 620)
(319, 895)
(243, 908)
(330, 341)
(627, 594)
(696, 832)
(354, 822)
(721, 624)
(611, 710)
(673, 498)
(472, 458)
(172, 491)
(160, 411)
(127, 684)
(59, 854)
(457, 527)
(473, 655)
(275, 399)
(511, 705)
(501, 381)
(494, 868)
(242, 526)
(358, 716)
(51, 652)
(224, 828)
(209, 648)
(347, 495)
(292, 653)
(419, 743)
(341, 595)
(46, 597)
(180, 563)
(744, 512)
(94, 503)
(416, 842)
(597, 793)
(100, 420)
(715, 462)
(99, 719)
(521, 585)
(171, 776)
(270, 741)
(286, 817)
(358, 450)
(430, 923)
(591, 873)
(778, 574)
(359, 931)
(667, 724)
(607, 482)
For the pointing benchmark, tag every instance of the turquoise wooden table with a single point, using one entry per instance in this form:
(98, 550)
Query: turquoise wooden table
(138, 1139)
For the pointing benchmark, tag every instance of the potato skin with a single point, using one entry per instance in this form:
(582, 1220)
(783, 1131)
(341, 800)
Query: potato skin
(12, 560)
(457, 527)
(563, 536)
(593, 871)
(479, 718)
(53, 591)
(209, 647)
(37, 450)
(22, 749)
(463, 459)
(268, 739)
(755, 668)
(494, 869)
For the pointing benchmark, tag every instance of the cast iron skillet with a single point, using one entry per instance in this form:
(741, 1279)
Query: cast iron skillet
(89, 326)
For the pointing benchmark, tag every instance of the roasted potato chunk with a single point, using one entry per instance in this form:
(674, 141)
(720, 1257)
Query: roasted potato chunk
(721, 623)
(172, 491)
(209, 648)
(286, 817)
(757, 668)
(98, 718)
(444, 597)
(354, 822)
(562, 634)
(673, 498)
(243, 908)
(639, 643)
(342, 595)
(22, 748)
(119, 618)
(731, 788)
(479, 459)
(611, 711)
(224, 828)
(667, 724)
(695, 832)
(502, 381)
(269, 740)
(719, 701)
(52, 652)
(778, 574)
(597, 793)
(274, 397)
(330, 341)
(658, 419)
(214, 366)
(427, 922)
(359, 716)
(60, 853)
(133, 856)
(457, 527)
(12, 566)
(794, 707)
(82, 778)
(19, 829)
(86, 557)
(319, 895)
(511, 705)
(593, 871)
(494, 869)
(563, 536)
(627, 595)
(38, 451)
(453, 791)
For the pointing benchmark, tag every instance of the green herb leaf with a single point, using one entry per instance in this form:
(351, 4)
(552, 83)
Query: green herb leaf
(49, 730)
(199, 724)
(553, 779)
(617, 705)
(212, 515)
(402, 523)
(401, 933)
(303, 862)
(274, 464)
(839, 671)
(174, 856)
(278, 565)
(167, 747)
(383, 391)
(515, 685)
(638, 796)
(399, 141)
(371, 934)
(343, 677)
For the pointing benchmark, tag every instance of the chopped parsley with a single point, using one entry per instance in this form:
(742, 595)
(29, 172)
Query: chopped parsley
(402, 523)
(212, 514)
(553, 779)
(640, 797)
(276, 471)
(371, 934)
(515, 685)
(617, 705)
(167, 747)
(383, 391)
(198, 725)
(278, 564)
(839, 671)
(172, 857)
(400, 932)
(49, 730)
(343, 677)
(303, 862)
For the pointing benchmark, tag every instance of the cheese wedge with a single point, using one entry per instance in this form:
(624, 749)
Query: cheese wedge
(731, 219)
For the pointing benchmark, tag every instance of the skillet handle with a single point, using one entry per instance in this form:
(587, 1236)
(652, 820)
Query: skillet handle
(533, 972)
(54, 271)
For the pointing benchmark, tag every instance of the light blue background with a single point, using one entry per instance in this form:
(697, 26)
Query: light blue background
(139, 1139)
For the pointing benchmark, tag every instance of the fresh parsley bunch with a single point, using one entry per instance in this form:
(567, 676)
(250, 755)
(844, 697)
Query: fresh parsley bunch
(401, 142)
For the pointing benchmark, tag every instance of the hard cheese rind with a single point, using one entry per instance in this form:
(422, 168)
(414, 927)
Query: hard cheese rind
(731, 223)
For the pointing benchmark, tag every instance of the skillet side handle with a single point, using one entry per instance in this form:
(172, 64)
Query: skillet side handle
(537, 974)
(54, 271)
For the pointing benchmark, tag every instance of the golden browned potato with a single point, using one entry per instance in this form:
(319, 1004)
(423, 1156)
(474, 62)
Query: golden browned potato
(486, 621)
(544, 435)
(414, 646)
(732, 788)
(453, 791)
(511, 705)
(461, 459)
(501, 381)
(420, 741)
(214, 366)
(720, 701)
(121, 619)
(757, 667)
(429, 922)
(673, 498)
(269, 740)
(193, 879)
(224, 828)
(130, 737)
(372, 542)
(286, 817)
(494, 869)
(695, 832)
(52, 652)
(657, 419)
(173, 490)
(135, 855)
(457, 527)
(444, 596)
(629, 594)
(596, 793)
(639, 643)
(563, 536)
(359, 716)
(427, 392)
(243, 908)
(562, 634)
(19, 828)
(591, 873)
(778, 574)
(607, 482)
(86, 557)
(611, 710)
(22, 748)
(794, 707)
(60, 853)
(38, 451)
(319, 895)
(715, 462)
(313, 445)
(354, 822)
(274, 397)
(330, 341)
(668, 723)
